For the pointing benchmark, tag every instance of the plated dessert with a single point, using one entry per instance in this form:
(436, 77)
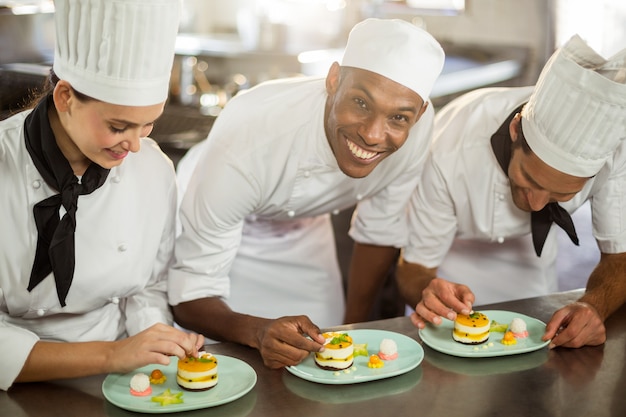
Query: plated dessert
(471, 329)
(197, 374)
(338, 353)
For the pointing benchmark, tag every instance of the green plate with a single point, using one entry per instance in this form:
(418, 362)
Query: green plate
(236, 378)
(440, 337)
(410, 355)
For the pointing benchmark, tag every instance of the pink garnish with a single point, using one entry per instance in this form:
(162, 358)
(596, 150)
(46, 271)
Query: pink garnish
(388, 357)
(142, 393)
(521, 335)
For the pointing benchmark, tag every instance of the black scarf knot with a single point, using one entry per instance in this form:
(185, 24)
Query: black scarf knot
(55, 241)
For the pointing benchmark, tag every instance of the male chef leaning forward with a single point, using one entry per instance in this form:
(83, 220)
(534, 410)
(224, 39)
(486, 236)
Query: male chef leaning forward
(256, 261)
(505, 164)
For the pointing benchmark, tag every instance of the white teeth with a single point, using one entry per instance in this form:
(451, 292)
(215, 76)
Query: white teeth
(360, 152)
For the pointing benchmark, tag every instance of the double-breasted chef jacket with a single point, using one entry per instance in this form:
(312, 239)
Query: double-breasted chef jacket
(255, 213)
(124, 245)
(462, 216)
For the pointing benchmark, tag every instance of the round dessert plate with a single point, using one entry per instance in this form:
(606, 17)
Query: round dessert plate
(410, 355)
(440, 337)
(236, 378)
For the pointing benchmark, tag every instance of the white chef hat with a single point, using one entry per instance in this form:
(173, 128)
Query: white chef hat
(398, 50)
(117, 51)
(576, 116)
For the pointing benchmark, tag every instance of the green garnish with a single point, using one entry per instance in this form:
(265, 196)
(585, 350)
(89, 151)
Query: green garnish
(498, 327)
(474, 315)
(340, 339)
(360, 349)
(167, 397)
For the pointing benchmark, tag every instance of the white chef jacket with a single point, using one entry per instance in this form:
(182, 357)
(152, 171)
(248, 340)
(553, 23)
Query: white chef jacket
(124, 240)
(252, 231)
(463, 219)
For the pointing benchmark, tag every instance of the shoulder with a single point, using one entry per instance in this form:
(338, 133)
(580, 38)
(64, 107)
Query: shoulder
(150, 163)
(11, 134)
(473, 117)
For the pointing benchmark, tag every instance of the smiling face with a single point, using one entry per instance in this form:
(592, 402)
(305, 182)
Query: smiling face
(367, 118)
(93, 131)
(534, 183)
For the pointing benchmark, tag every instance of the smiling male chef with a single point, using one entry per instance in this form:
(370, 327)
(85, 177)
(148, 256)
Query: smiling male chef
(256, 261)
(508, 162)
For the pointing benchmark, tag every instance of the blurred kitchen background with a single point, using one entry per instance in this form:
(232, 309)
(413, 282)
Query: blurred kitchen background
(225, 46)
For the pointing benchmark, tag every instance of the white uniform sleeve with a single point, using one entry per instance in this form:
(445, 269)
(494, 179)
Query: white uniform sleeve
(432, 219)
(15, 346)
(219, 196)
(609, 208)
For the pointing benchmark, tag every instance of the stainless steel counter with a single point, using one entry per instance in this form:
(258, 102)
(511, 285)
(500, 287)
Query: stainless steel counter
(562, 382)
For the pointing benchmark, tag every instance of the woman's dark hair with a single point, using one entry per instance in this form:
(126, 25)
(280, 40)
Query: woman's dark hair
(48, 87)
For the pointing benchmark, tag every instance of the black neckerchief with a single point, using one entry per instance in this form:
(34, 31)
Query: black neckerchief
(55, 241)
(541, 220)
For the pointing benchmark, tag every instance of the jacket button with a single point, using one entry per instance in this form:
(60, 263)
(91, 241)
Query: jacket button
(291, 213)
(115, 300)
(500, 239)
(41, 312)
(122, 248)
(116, 179)
(36, 184)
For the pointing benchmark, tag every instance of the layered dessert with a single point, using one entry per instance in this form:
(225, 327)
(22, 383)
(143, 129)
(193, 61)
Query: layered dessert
(197, 374)
(338, 352)
(471, 329)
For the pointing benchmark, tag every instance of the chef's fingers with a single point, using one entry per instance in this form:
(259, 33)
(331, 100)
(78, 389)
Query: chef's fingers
(445, 299)
(575, 325)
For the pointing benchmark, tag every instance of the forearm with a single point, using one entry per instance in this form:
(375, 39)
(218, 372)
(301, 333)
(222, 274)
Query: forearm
(606, 287)
(412, 279)
(214, 319)
(369, 266)
(57, 360)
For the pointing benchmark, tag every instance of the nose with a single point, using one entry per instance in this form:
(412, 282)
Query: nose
(132, 143)
(373, 130)
(537, 199)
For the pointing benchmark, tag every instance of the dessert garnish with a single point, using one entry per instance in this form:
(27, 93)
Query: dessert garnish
(157, 377)
(167, 397)
(140, 385)
(375, 362)
(508, 339)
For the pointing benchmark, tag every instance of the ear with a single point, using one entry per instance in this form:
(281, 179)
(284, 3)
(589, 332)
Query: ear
(62, 96)
(422, 110)
(513, 126)
(332, 79)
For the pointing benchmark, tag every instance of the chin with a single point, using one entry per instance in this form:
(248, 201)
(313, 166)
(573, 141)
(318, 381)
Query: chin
(356, 172)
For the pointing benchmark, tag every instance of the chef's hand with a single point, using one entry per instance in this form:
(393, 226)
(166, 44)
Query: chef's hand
(575, 325)
(442, 298)
(154, 345)
(284, 342)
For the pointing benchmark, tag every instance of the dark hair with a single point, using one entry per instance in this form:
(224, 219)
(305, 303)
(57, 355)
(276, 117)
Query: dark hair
(48, 87)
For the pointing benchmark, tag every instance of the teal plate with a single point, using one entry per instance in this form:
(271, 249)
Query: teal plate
(440, 337)
(410, 355)
(236, 378)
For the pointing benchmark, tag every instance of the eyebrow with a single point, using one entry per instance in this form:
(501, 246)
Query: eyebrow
(411, 109)
(129, 123)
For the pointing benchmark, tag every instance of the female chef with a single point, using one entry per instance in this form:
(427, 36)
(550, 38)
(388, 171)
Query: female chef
(88, 204)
